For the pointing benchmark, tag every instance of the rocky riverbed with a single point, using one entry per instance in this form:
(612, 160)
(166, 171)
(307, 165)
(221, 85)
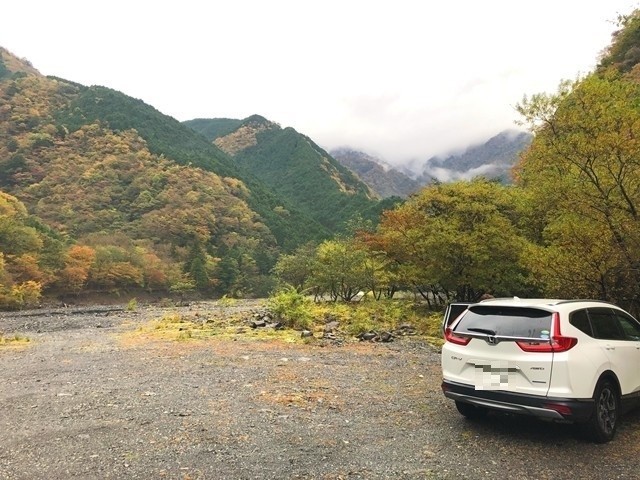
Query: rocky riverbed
(87, 398)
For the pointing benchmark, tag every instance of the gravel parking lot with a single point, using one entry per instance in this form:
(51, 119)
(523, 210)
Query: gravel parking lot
(84, 400)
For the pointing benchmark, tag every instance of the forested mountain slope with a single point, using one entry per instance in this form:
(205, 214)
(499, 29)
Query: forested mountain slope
(297, 168)
(168, 137)
(213, 128)
(135, 187)
(385, 182)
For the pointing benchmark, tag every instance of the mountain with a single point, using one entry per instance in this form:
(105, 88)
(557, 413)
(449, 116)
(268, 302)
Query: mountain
(213, 128)
(78, 106)
(135, 187)
(295, 167)
(383, 180)
(492, 159)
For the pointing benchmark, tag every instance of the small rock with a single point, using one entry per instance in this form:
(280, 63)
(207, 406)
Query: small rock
(367, 336)
(385, 337)
(258, 324)
(331, 326)
(306, 334)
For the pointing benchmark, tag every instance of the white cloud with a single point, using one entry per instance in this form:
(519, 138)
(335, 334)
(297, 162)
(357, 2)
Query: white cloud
(400, 78)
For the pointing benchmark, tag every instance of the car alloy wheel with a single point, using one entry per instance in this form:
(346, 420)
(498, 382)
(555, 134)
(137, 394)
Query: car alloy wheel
(603, 423)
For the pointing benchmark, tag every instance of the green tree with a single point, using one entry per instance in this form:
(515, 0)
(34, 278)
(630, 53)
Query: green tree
(340, 269)
(4, 71)
(197, 266)
(456, 240)
(624, 51)
(237, 272)
(583, 171)
(113, 269)
(296, 269)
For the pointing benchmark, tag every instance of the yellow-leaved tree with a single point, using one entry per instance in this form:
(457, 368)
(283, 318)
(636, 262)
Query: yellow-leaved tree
(582, 175)
(20, 246)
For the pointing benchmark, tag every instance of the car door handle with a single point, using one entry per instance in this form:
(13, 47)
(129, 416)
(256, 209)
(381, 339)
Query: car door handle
(609, 347)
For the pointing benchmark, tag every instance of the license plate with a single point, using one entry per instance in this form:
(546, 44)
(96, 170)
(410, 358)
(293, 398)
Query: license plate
(496, 376)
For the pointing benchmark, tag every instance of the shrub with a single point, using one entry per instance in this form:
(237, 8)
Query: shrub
(21, 295)
(292, 308)
(132, 305)
(301, 312)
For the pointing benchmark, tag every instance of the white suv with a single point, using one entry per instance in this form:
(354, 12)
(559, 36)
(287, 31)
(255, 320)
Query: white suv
(567, 360)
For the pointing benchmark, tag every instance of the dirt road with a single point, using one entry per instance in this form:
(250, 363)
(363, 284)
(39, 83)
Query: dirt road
(84, 400)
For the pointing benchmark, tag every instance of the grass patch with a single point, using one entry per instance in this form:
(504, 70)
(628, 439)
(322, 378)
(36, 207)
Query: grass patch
(296, 312)
(300, 312)
(202, 327)
(14, 341)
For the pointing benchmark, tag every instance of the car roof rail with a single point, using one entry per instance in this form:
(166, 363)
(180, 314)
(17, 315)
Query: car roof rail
(586, 300)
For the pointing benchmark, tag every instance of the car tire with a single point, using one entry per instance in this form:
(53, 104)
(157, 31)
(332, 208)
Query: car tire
(602, 426)
(470, 411)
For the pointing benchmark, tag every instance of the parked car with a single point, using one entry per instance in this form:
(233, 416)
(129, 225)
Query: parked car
(564, 360)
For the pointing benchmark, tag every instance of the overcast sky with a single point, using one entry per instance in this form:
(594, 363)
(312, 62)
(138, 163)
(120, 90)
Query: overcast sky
(399, 79)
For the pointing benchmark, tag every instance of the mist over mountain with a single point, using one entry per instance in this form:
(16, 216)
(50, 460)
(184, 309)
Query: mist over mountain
(382, 178)
(492, 159)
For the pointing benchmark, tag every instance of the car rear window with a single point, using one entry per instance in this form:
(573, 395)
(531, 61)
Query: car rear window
(453, 311)
(506, 321)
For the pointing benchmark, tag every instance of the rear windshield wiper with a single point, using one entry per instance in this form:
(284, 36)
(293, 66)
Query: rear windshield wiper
(482, 330)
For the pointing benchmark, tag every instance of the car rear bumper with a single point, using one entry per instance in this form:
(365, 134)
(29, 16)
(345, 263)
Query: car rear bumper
(567, 409)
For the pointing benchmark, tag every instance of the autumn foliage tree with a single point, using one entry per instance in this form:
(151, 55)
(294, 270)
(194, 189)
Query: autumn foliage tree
(455, 241)
(21, 277)
(583, 174)
(79, 260)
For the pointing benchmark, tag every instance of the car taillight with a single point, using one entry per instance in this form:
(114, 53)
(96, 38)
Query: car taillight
(558, 343)
(450, 336)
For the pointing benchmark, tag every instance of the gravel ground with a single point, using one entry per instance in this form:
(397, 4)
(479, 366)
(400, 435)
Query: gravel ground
(84, 400)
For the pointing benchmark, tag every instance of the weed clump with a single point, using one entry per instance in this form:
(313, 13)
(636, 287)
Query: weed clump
(293, 309)
(14, 340)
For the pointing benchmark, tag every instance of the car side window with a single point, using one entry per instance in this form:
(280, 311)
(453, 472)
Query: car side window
(580, 320)
(605, 325)
(630, 326)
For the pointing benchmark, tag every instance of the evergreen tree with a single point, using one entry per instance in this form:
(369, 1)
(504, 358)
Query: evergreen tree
(4, 71)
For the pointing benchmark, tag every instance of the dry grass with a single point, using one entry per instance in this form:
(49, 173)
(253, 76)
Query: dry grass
(224, 324)
(14, 342)
(198, 327)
